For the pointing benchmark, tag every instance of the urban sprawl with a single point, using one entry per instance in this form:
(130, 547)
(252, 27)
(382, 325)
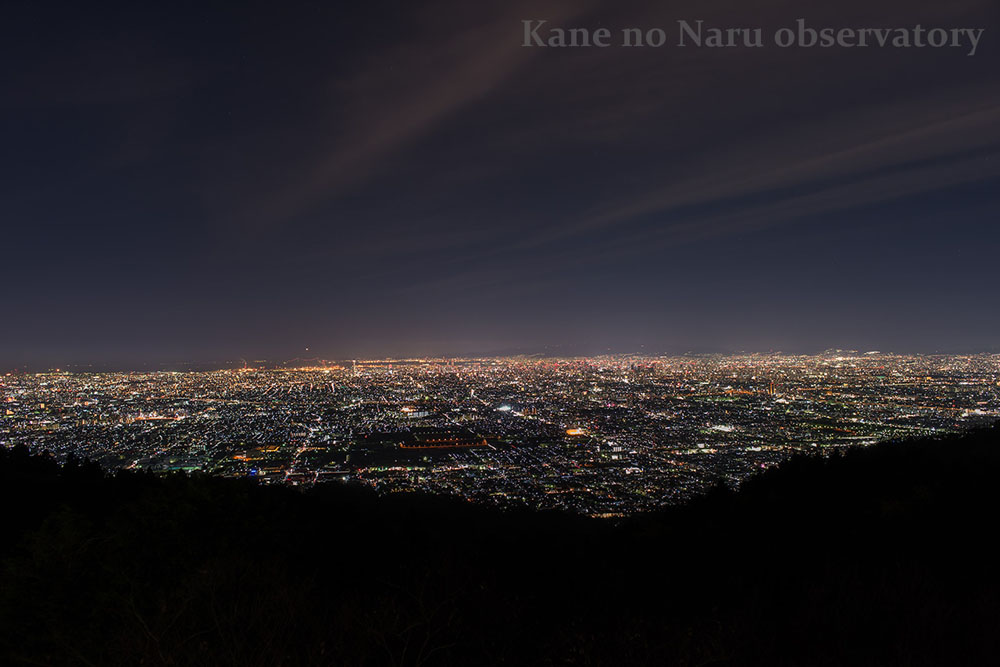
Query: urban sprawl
(603, 436)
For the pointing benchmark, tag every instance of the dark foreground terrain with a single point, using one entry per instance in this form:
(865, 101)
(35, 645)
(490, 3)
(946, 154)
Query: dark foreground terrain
(885, 556)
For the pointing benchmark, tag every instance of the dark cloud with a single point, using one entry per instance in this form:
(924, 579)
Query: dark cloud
(198, 181)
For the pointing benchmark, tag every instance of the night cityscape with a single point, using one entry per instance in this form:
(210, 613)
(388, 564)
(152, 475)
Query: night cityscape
(502, 333)
(604, 436)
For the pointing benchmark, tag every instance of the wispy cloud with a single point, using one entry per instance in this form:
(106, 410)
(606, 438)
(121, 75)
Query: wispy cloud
(400, 95)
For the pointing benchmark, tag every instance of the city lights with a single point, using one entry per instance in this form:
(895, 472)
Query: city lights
(603, 436)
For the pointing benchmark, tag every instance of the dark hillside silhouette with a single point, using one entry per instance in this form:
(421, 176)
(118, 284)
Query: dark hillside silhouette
(882, 556)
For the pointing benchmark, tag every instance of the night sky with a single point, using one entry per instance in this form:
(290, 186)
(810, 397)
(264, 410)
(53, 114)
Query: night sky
(200, 183)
